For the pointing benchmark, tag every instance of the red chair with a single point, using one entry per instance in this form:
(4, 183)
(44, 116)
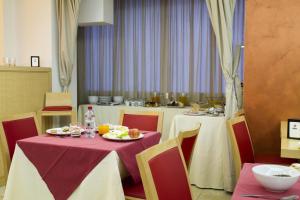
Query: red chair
(146, 121)
(160, 180)
(243, 149)
(187, 140)
(16, 128)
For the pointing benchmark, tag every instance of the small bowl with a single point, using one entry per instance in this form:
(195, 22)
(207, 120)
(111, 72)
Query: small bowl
(118, 99)
(276, 178)
(93, 99)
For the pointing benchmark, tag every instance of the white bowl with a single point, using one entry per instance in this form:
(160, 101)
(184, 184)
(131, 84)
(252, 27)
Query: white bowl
(93, 99)
(270, 177)
(118, 99)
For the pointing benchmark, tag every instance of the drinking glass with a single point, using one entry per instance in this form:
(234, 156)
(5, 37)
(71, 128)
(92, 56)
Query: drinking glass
(75, 129)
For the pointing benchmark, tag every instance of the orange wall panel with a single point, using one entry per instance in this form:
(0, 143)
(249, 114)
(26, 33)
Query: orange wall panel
(272, 69)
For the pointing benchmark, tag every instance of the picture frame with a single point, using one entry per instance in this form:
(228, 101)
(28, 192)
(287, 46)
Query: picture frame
(35, 61)
(293, 129)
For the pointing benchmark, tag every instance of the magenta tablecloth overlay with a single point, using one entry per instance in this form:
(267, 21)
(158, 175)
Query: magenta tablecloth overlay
(64, 162)
(247, 184)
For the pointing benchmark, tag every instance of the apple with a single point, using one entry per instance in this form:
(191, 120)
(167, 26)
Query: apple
(134, 133)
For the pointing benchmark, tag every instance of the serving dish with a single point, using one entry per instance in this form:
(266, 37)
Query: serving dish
(275, 178)
(119, 135)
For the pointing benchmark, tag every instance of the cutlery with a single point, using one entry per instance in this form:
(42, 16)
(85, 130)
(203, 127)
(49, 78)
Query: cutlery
(261, 196)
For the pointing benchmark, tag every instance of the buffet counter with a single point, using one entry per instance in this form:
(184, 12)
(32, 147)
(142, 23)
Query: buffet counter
(111, 114)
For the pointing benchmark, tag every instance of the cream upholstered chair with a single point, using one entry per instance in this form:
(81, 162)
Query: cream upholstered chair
(16, 127)
(57, 104)
(163, 172)
(143, 120)
(187, 140)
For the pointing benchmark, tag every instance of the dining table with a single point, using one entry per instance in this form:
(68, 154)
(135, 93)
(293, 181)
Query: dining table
(247, 184)
(55, 167)
(211, 163)
(290, 148)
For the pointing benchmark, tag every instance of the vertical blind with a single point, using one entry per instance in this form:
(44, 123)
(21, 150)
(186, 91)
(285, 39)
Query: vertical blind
(154, 46)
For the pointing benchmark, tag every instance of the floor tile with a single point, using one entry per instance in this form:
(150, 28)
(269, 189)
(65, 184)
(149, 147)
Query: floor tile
(211, 194)
(195, 192)
(1, 192)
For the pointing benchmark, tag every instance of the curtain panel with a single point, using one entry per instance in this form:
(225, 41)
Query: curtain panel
(67, 20)
(222, 17)
(153, 46)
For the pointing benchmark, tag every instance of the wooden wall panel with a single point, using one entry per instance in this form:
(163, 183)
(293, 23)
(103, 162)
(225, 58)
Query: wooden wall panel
(272, 69)
(22, 90)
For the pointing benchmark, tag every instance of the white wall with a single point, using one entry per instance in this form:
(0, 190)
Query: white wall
(31, 30)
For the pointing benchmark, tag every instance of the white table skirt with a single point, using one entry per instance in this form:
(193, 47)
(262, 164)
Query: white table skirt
(103, 182)
(111, 114)
(212, 163)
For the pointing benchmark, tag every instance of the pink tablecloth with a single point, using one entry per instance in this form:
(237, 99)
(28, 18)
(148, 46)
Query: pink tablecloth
(247, 184)
(64, 162)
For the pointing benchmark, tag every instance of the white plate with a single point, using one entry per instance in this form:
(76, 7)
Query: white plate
(113, 135)
(199, 113)
(59, 131)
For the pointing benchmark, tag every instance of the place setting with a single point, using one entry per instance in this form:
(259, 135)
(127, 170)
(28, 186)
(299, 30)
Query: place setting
(73, 130)
(119, 133)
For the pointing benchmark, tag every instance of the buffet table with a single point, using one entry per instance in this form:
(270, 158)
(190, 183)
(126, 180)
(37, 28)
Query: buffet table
(212, 163)
(111, 114)
(48, 167)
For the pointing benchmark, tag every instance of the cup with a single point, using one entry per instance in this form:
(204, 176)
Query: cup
(6, 61)
(103, 128)
(12, 62)
(75, 129)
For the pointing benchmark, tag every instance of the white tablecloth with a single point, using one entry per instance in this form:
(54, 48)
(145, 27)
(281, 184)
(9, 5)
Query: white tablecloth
(103, 182)
(212, 163)
(111, 114)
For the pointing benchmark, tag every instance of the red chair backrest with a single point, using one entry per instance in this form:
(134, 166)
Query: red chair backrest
(187, 146)
(141, 122)
(18, 129)
(169, 176)
(244, 143)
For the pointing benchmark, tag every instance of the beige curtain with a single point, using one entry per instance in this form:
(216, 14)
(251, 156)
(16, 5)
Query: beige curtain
(221, 13)
(67, 21)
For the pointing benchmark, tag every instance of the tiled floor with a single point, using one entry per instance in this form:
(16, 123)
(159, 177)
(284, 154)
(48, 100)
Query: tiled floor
(209, 194)
(198, 194)
(1, 192)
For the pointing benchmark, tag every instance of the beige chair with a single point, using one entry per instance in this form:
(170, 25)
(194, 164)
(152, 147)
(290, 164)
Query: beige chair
(143, 120)
(57, 104)
(14, 128)
(240, 112)
(187, 141)
(242, 147)
(163, 172)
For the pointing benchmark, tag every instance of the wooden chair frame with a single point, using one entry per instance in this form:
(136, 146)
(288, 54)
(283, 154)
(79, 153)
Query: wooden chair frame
(187, 134)
(159, 114)
(146, 175)
(57, 99)
(235, 148)
(239, 113)
(3, 141)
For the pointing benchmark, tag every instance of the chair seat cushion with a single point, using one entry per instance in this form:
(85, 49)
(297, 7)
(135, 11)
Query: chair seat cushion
(274, 159)
(57, 108)
(133, 190)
